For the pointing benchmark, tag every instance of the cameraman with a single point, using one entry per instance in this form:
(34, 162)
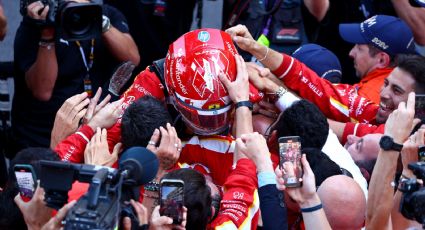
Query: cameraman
(382, 205)
(50, 69)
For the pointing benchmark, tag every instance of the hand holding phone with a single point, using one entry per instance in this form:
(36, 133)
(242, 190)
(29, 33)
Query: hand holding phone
(290, 156)
(172, 199)
(26, 180)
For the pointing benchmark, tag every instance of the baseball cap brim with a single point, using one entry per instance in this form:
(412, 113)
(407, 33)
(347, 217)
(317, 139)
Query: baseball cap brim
(352, 33)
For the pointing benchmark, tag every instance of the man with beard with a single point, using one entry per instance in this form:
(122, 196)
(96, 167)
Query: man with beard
(341, 103)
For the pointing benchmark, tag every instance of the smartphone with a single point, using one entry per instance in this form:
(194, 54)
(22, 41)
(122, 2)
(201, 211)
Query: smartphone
(420, 106)
(290, 152)
(172, 199)
(26, 180)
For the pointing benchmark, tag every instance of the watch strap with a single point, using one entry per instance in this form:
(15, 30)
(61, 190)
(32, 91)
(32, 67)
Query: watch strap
(387, 143)
(244, 103)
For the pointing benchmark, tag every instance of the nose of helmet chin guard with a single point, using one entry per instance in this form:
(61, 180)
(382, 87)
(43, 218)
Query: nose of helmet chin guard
(192, 66)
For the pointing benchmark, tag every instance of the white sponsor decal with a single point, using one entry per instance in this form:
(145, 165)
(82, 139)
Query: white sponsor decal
(238, 195)
(380, 43)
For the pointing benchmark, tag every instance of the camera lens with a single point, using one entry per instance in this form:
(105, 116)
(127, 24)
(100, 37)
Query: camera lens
(81, 21)
(78, 22)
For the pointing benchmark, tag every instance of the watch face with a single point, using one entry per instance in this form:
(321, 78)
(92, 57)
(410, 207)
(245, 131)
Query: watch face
(386, 142)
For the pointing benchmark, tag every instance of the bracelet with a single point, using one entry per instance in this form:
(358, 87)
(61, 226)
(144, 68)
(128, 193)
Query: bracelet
(106, 23)
(281, 91)
(244, 103)
(265, 56)
(47, 45)
(312, 209)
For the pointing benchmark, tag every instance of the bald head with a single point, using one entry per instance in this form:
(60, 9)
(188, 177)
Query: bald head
(343, 202)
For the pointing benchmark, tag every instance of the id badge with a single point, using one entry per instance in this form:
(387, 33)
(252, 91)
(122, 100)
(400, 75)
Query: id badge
(87, 86)
(160, 8)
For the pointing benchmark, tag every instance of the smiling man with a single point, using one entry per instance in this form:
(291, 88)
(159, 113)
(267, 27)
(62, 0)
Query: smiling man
(408, 76)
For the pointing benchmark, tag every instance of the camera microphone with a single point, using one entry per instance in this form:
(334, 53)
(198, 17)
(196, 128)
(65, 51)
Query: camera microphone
(138, 165)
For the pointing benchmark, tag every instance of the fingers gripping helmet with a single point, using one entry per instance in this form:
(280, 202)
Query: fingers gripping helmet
(192, 66)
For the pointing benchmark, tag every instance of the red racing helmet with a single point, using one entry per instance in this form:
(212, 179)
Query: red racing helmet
(192, 66)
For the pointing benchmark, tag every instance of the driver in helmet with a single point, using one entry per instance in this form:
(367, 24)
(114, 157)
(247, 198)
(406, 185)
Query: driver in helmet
(190, 81)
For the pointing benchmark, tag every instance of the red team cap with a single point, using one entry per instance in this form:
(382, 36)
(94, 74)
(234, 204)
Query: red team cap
(192, 66)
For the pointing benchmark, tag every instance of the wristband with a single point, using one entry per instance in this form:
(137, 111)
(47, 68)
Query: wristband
(106, 24)
(244, 103)
(47, 45)
(312, 209)
(281, 91)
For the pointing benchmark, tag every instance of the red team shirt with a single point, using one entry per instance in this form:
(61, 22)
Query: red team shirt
(239, 205)
(339, 102)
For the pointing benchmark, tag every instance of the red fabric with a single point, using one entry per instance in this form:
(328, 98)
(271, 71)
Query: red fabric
(360, 130)
(338, 102)
(146, 83)
(78, 189)
(239, 206)
(215, 152)
(72, 148)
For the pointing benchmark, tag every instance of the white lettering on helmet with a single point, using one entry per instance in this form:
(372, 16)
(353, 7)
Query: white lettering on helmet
(379, 43)
(208, 76)
(178, 73)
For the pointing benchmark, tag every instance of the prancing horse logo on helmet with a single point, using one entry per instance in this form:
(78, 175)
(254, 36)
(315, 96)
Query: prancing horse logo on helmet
(203, 36)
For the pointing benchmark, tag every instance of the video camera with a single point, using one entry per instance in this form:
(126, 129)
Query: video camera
(412, 204)
(104, 204)
(73, 20)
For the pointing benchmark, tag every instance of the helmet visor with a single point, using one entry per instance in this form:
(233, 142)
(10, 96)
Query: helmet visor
(204, 122)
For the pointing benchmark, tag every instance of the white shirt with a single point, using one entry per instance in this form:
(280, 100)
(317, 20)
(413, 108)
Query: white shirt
(337, 153)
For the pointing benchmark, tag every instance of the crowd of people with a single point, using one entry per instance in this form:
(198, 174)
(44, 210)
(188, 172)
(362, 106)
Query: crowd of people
(213, 119)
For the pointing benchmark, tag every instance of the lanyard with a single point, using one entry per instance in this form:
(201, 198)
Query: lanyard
(88, 65)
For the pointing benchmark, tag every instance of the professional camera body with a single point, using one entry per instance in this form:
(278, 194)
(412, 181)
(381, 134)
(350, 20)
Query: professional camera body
(73, 20)
(412, 204)
(105, 202)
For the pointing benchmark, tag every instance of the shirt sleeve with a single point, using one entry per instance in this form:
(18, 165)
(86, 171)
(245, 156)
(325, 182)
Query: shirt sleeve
(360, 129)
(72, 148)
(266, 178)
(339, 102)
(117, 19)
(240, 203)
(26, 45)
(273, 207)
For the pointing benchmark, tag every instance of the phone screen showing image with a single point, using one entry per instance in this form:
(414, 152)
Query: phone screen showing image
(420, 106)
(172, 200)
(290, 154)
(26, 183)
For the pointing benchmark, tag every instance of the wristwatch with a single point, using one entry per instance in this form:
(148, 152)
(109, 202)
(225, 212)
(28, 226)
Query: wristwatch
(106, 23)
(244, 103)
(387, 143)
(281, 91)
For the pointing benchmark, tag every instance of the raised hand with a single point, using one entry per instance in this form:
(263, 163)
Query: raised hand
(169, 147)
(68, 117)
(97, 150)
